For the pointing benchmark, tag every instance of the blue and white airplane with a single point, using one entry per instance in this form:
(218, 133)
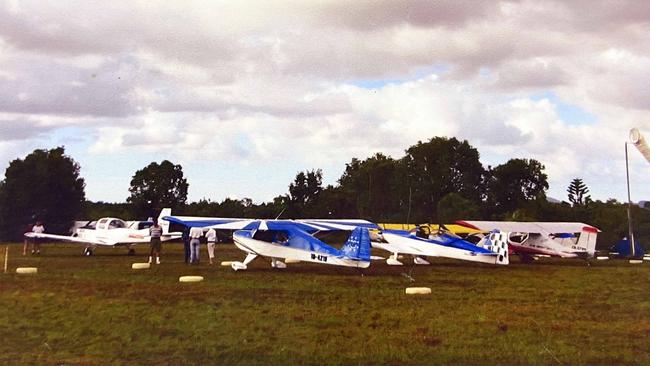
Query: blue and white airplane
(292, 240)
(491, 249)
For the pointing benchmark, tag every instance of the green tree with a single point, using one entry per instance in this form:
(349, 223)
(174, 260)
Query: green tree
(374, 187)
(303, 193)
(157, 186)
(96, 210)
(454, 207)
(44, 186)
(511, 185)
(439, 167)
(578, 192)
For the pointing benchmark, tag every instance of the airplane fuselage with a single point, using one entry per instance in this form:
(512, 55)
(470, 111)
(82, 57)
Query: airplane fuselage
(546, 246)
(405, 245)
(278, 250)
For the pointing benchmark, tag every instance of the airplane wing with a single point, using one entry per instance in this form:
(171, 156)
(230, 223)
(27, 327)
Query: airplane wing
(210, 222)
(308, 225)
(339, 224)
(530, 227)
(72, 239)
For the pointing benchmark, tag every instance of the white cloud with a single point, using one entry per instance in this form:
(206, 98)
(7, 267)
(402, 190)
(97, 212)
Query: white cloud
(251, 82)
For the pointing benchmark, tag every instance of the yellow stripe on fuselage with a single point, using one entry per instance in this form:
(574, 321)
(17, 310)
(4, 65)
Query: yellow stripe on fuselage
(456, 229)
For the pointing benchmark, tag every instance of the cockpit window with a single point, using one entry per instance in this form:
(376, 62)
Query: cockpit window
(116, 224)
(519, 238)
(101, 224)
(144, 225)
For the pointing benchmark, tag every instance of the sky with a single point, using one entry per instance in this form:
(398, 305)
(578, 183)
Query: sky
(246, 94)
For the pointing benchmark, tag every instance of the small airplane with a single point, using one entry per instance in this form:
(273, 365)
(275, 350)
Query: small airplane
(290, 239)
(533, 239)
(113, 232)
(294, 240)
(421, 242)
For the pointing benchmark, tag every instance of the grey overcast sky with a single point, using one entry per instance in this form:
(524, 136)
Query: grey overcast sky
(244, 94)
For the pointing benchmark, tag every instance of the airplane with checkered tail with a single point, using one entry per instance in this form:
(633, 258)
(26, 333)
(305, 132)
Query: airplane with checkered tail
(421, 243)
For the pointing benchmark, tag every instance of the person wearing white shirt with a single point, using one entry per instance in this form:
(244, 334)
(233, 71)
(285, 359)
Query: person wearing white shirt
(211, 237)
(195, 235)
(39, 229)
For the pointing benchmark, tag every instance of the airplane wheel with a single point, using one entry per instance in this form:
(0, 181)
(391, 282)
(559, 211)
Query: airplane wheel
(88, 252)
(131, 251)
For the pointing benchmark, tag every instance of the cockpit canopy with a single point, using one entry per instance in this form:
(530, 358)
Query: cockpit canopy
(109, 223)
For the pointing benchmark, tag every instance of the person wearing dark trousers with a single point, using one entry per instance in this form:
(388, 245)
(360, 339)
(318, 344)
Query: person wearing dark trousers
(186, 244)
(38, 229)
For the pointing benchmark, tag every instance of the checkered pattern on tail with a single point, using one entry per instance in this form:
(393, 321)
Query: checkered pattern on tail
(498, 243)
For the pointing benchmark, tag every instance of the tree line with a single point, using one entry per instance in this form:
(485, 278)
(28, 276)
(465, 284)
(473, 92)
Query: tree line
(438, 181)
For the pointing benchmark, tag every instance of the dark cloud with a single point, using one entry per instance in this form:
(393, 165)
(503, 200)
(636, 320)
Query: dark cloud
(22, 129)
(50, 87)
(373, 15)
(531, 74)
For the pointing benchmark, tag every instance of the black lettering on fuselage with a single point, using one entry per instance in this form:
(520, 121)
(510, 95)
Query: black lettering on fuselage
(318, 257)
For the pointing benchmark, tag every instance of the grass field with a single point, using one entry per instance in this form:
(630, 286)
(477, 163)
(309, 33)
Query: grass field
(97, 310)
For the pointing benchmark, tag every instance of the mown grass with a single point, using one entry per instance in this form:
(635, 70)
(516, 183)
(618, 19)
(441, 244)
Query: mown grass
(97, 311)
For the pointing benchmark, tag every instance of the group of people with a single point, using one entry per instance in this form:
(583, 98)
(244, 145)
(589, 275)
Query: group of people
(35, 242)
(191, 241)
(192, 244)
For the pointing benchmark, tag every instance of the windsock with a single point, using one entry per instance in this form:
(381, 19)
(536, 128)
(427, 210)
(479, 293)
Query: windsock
(640, 143)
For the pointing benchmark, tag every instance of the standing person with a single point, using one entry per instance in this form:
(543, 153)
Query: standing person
(26, 240)
(156, 245)
(211, 237)
(186, 244)
(38, 229)
(195, 240)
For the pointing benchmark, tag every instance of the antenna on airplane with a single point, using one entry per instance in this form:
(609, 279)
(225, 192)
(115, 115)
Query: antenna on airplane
(281, 212)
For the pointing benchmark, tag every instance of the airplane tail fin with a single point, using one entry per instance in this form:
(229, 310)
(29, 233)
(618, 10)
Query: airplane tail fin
(497, 242)
(587, 240)
(358, 245)
(164, 223)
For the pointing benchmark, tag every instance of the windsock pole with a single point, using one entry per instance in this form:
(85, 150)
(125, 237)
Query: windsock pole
(629, 206)
(637, 140)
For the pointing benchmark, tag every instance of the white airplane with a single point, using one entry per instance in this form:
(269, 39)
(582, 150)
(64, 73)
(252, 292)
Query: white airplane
(419, 242)
(556, 239)
(112, 232)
